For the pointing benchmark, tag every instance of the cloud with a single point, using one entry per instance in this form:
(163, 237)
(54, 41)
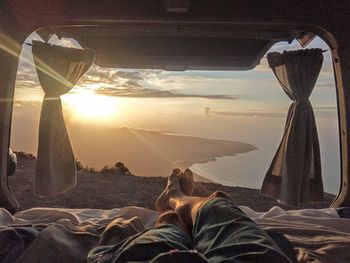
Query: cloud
(263, 66)
(165, 84)
(26, 103)
(132, 84)
(111, 78)
(114, 82)
(248, 114)
(326, 83)
(325, 108)
(142, 83)
(138, 92)
(66, 42)
(134, 75)
(17, 103)
(323, 112)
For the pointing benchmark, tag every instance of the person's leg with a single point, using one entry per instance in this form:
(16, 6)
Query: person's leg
(223, 233)
(220, 230)
(179, 185)
(168, 235)
(174, 198)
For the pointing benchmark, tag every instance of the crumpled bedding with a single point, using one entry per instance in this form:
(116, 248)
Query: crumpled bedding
(67, 235)
(61, 235)
(318, 235)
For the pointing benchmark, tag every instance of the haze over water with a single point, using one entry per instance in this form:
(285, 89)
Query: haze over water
(253, 112)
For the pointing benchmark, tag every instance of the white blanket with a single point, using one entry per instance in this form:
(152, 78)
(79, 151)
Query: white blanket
(319, 235)
(66, 235)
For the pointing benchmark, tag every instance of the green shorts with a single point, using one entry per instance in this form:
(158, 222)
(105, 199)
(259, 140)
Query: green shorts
(221, 233)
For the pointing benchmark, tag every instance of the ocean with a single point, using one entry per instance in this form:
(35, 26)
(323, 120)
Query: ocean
(248, 169)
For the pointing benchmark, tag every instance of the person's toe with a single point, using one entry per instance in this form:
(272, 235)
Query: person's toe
(187, 182)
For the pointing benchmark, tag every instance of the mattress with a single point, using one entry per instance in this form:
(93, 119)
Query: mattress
(67, 235)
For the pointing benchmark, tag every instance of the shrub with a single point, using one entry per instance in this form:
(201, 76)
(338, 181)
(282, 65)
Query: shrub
(92, 170)
(105, 168)
(121, 168)
(24, 155)
(79, 165)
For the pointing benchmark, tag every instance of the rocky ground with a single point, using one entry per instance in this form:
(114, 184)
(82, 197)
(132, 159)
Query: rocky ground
(108, 189)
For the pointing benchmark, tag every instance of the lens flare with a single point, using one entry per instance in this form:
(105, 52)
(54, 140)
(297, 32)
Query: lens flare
(88, 105)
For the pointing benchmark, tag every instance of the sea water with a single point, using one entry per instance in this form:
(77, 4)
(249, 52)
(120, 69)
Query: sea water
(249, 169)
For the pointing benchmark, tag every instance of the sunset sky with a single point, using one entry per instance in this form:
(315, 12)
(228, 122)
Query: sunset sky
(246, 106)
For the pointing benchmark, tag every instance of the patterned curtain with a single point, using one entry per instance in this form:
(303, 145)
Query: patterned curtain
(294, 176)
(58, 69)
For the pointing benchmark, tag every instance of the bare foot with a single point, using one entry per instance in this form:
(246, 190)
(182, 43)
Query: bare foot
(187, 182)
(173, 189)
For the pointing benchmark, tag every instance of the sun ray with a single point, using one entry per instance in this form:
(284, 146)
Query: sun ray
(154, 148)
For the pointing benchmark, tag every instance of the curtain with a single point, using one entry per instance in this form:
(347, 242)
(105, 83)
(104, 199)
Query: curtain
(294, 176)
(58, 69)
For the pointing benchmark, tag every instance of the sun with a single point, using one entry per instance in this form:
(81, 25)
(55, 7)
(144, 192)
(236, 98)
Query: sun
(88, 105)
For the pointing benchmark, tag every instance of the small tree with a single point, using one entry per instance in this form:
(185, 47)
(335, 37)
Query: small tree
(121, 168)
(11, 163)
(79, 165)
(105, 168)
(92, 170)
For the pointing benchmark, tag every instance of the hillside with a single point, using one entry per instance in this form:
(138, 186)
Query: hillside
(106, 190)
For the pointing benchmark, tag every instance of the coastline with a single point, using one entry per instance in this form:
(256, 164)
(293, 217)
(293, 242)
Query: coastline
(150, 153)
(107, 190)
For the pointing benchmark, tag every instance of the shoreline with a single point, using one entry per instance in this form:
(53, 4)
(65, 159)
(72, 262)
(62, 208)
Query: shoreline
(108, 190)
(149, 153)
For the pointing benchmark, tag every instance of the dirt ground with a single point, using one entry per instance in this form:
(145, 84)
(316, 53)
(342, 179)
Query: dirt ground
(106, 190)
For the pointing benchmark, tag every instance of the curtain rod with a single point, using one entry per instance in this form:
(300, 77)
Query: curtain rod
(323, 50)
